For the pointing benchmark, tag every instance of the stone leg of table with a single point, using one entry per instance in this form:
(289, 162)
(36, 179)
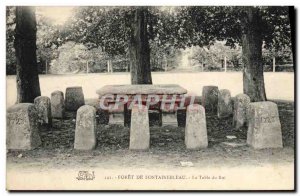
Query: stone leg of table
(127, 116)
(181, 117)
(160, 118)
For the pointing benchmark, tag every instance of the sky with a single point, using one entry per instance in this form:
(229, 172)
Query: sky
(58, 15)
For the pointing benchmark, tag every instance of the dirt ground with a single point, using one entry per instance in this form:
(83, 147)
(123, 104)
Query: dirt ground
(167, 149)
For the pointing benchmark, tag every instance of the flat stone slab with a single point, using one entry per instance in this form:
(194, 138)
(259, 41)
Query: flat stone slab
(143, 89)
(264, 129)
(22, 131)
(188, 100)
(85, 132)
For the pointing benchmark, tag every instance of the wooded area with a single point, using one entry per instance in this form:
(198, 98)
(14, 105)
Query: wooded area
(143, 36)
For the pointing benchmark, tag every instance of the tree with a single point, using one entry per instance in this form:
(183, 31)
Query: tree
(268, 26)
(118, 31)
(253, 78)
(47, 40)
(111, 29)
(28, 86)
(104, 28)
(293, 34)
(139, 49)
(247, 26)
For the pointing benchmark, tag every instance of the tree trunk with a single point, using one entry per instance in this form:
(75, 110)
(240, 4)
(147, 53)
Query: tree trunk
(253, 76)
(139, 49)
(293, 35)
(28, 86)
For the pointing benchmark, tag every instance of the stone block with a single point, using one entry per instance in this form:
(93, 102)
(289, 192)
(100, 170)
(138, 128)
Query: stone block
(264, 129)
(43, 107)
(85, 132)
(196, 130)
(57, 104)
(210, 98)
(22, 132)
(74, 98)
(240, 107)
(181, 112)
(224, 103)
(139, 128)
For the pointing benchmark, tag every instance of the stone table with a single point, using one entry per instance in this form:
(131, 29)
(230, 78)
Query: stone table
(162, 91)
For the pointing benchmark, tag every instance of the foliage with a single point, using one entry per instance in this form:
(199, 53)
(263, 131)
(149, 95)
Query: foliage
(282, 56)
(214, 55)
(226, 23)
(106, 30)
(48, 39)
(73, 58)
(105, 27)
(10, 51)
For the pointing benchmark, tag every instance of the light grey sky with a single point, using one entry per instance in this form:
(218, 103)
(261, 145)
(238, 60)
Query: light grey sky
(57, 14)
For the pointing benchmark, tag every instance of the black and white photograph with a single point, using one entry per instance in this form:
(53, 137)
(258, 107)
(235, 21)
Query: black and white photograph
(150, 98)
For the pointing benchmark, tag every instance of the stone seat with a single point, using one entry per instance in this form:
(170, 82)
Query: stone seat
(139, 128)
(210, 99)
(74, 98)
(196, 130)
(57, 104)
(22, 131)
(240, 107)
(43, 107)
(264, 129)
(225, 107)
(85, 132)
(181, 111)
